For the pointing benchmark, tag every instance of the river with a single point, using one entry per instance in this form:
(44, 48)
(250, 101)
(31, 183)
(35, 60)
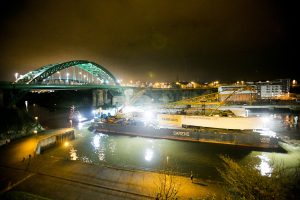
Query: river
(156, 154)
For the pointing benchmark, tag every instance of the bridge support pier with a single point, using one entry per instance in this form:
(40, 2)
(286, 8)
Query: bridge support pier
(99, 97)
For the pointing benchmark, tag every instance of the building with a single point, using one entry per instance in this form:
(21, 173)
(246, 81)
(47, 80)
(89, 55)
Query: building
(273, 89)
(237, 93)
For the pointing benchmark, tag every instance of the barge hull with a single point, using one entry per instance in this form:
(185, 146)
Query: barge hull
(226, 137)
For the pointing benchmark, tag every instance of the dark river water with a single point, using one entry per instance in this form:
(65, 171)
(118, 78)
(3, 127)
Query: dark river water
(156, 154)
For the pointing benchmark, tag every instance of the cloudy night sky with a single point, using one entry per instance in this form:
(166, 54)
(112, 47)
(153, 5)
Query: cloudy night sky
(154, 40)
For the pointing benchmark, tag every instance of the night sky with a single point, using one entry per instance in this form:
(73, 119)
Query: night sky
(163, 40)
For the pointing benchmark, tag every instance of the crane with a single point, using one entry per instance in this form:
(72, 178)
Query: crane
(131, 101)
(246, 87)
(211, 99)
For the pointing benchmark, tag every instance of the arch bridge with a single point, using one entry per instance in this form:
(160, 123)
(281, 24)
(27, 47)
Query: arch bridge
(71, 75)
(75, 72)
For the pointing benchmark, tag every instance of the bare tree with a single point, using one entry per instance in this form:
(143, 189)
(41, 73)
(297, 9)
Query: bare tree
(246, 182)
(167, 183)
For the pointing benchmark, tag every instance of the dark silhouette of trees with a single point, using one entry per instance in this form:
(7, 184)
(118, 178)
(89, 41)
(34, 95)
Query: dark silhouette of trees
(246, 182)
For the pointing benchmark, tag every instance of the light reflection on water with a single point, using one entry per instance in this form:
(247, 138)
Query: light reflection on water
(146, 153)
(264, 166)
(99, 147)
(73, 153)
(149, 154)
(96, 141)
(79, 125)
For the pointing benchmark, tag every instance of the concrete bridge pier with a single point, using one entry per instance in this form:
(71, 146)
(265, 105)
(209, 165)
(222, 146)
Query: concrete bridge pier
(99, 97)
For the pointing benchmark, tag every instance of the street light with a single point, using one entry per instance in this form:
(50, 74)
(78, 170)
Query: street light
(80, 76)
(26, 106)
(36, 121)
(59, 77)
(68, 77)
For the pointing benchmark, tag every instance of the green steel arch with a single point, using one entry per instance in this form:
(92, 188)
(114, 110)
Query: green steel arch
(38, 75)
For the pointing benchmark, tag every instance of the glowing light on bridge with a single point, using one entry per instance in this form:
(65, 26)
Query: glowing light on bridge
(87, 71)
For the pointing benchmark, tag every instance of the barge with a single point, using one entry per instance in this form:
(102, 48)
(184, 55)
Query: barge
(245, 138)
(218, 129)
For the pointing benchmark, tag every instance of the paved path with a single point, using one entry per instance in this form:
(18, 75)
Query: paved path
(57, 178)
(64, 179)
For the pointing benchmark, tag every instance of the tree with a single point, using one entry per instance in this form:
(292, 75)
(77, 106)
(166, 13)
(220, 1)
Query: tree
(246, 182)
(167, 183)
(167, 187)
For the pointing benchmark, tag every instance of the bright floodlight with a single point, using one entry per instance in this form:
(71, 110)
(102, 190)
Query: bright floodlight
(266, 119)
(79, 117)
(66, 144)
(130, 109)
(148, 115)
(94, 113)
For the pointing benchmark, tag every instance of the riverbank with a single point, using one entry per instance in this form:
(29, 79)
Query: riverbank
(57, 178)
(16, 123)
